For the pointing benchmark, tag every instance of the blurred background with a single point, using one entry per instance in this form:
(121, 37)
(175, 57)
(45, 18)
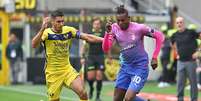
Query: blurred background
(23, 18)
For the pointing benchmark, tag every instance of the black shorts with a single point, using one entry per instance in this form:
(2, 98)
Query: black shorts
(95, 62)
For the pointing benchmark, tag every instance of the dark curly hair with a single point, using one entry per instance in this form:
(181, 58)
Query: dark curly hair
(121, 10)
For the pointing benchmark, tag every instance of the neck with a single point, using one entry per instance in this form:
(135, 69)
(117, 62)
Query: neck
(96, 30)
(57, 31)
(181, 30)
(126, 27)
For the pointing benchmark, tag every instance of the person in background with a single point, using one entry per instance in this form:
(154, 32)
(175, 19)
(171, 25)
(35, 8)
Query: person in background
(165, 59)
(184, 42)
(14, 54)
(173, 59)
(198, 60)
(95, 60)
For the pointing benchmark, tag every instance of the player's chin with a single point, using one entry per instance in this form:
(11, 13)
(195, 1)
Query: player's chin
(59, 28)
(123, 28)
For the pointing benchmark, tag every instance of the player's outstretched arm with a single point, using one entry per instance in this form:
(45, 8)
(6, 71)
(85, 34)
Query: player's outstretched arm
(90, 38)
(37, 38)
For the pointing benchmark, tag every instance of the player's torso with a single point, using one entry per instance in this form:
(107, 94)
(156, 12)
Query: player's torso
(186, 44)
(57, 48)
(131, 43)
(185, 38)
(96, 48)
(128, 37)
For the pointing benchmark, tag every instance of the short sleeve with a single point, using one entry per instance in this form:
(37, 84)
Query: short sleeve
(45, 35)
(195, 34)
(172, 39)
(114, 30)
(146, 30)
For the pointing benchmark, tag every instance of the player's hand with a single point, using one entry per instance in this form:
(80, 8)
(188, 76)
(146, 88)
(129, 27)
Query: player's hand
(110, 59)
(154, 63)
(82, 61)
(195, 55)
(45, 23)
(108, 26)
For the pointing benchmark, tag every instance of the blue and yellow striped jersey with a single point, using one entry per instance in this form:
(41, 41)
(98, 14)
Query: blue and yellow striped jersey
(57, 47)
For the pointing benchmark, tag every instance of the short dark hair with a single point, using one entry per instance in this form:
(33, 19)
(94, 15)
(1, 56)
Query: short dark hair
(121, 10)
(57, 13)
(12, 34)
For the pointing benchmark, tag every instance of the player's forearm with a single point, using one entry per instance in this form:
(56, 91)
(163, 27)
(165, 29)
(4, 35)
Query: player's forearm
(159, 40)
(107, 42)
(37, 39)
(92, 38)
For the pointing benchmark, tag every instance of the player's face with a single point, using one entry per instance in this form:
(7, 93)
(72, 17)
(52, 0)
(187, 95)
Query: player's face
(97, 25)
(13, 38)
(123, 21)
(180, 24)
(58, 23)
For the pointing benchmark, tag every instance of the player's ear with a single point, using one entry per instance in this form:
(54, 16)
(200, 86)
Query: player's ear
(52, 20)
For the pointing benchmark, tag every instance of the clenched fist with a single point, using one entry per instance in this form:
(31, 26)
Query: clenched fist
(154, 63)
(108, 26)
(45, 23)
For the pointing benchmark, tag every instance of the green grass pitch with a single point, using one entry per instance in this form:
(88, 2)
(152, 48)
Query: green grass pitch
(38, 92)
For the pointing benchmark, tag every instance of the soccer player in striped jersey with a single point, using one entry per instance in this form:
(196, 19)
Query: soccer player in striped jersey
(57, 41)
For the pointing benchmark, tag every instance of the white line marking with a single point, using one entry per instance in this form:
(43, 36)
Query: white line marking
(35, 93)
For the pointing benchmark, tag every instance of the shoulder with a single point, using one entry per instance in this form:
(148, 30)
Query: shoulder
(142, 28)
(191, 31)
(47, 30)
(115, 26)
(175, 34)
(139, 25)
(68, 28)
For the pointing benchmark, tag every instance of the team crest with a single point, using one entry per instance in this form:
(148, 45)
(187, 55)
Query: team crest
(66, 36)
(133, 37)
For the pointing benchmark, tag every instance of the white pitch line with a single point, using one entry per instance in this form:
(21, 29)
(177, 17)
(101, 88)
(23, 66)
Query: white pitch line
(35, 93)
